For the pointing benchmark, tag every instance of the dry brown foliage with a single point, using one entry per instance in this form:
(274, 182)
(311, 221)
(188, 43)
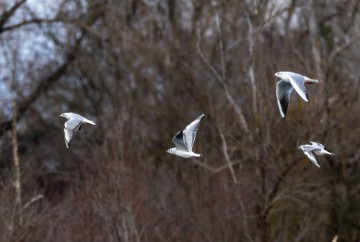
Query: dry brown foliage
(142, 70)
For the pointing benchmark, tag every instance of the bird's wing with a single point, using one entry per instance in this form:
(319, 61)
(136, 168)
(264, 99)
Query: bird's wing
(283, 92)
(308, 148)
(179, 141)
(71, 126)
(312, 157)
(298, 82)
(190, 132)
(317, 145)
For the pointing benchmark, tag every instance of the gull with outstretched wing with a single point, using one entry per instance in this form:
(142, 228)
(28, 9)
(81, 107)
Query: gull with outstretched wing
(73, 125)
(184, 140)
(287, 82)
(313, 149)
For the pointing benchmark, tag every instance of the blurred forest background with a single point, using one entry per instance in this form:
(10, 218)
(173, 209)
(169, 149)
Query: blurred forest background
(144, 69)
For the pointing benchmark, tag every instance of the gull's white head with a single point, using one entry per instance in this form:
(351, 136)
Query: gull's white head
(279, 74)
(171, 151)
(65, 115)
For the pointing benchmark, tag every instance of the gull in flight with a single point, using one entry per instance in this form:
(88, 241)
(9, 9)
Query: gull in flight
(313, 149)
(184, 140)
(287, 81)
(72, 125)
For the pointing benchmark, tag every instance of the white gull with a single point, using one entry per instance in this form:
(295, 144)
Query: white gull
(72, 125)
(313, 149)
(287, 82)
(184, 140)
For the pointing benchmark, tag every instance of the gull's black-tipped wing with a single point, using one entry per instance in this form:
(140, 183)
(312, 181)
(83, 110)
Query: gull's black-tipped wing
(283, 92)
(179, 141)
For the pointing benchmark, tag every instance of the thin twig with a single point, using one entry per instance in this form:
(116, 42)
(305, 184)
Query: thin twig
(335, 238)
(215, 170)
(226, 155)
(33, 21)
(203, 165)
(8, 14)
(206, 61)
(32, 200)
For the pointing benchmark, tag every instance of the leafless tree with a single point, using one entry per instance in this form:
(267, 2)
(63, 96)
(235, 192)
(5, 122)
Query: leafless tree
(142, 70)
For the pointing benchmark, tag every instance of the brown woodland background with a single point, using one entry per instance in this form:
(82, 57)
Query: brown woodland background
(142, 70)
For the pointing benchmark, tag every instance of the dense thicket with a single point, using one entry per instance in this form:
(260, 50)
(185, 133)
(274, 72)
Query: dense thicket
(144, 69)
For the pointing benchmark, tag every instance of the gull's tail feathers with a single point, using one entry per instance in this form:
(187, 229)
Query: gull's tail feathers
(332, 154)
(311, 81)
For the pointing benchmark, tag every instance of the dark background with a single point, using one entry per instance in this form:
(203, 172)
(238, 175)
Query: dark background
(144, 69)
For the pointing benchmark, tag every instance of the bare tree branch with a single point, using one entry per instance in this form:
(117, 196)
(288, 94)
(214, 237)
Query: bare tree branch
(335, 239)
(250, 62)
(32, 200)
(48, 81)
(44, 85)
(221, 44)
(6, 15)
(215, 169)
(18, 218)
(277, 185)
(226, 155)
(223, 84)
(33, 21)
(339, 49)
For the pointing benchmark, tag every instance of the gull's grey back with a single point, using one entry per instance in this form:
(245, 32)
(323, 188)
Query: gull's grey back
(75, 116)
(296, 77)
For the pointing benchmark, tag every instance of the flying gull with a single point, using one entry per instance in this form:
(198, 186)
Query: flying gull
(287, 81)
(313, 149)
(184, 140)
(72, 125)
